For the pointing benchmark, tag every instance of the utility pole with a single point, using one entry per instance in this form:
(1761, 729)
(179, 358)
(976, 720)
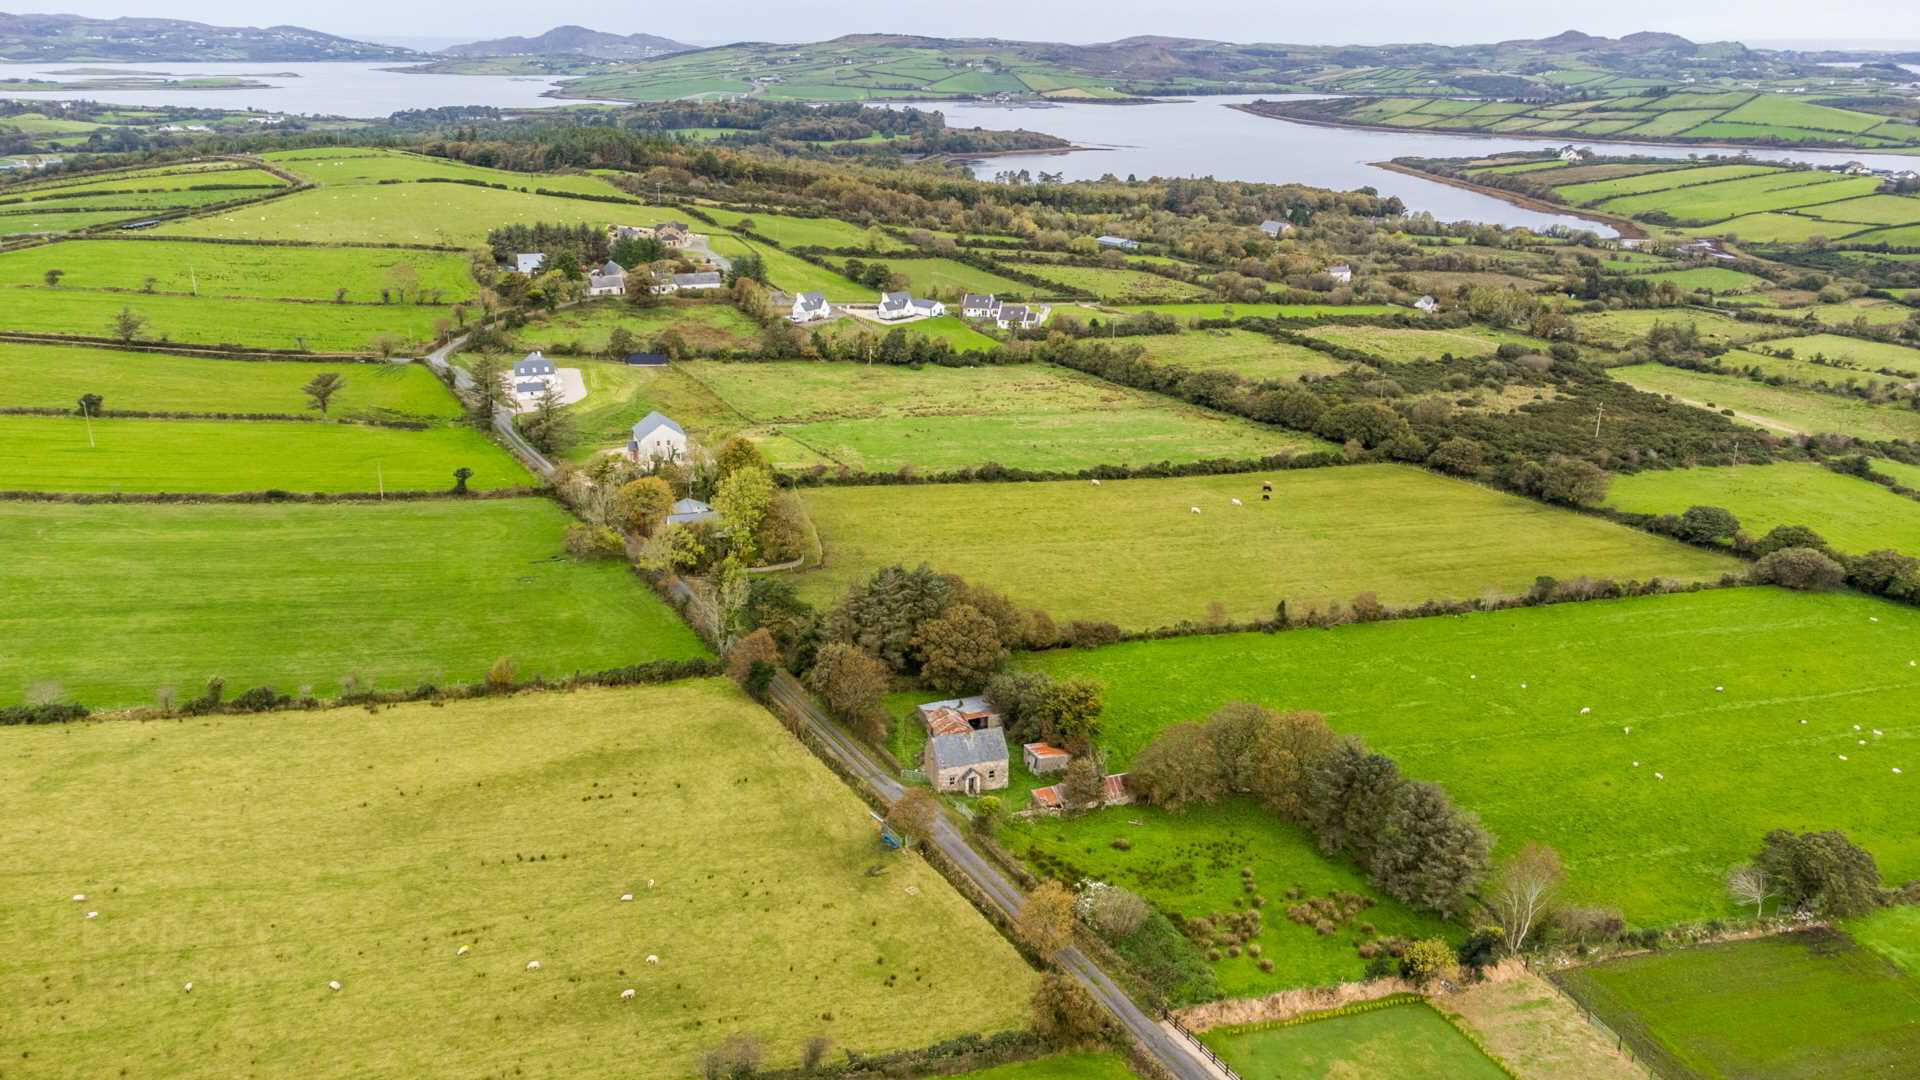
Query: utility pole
(1596, 422)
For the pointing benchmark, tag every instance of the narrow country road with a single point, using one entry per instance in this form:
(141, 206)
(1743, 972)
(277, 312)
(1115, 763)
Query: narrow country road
(440, 361)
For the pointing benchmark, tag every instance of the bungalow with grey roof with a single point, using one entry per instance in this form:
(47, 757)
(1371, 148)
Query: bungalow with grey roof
(609, 280)
(1276, 228)
(810, 307)
(969, 762)
(705, 279)
(529, 263)
(1020, 316)
(1119, 243)
(976, 306)
(656, 438)
(691, 512)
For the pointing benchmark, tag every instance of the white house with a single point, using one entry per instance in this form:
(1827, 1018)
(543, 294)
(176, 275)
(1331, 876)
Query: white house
(976, 306)
(1341, 273)
(1118, 242)
(1427, 304)
(927, 309)
(1276, 229)
(810, 307)
(529, 263)
(898, 305)
(532, 375)
(1020, 316)
(656, 438)
(608, 280)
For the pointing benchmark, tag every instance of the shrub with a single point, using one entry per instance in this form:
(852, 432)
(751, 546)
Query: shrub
(1801, 568)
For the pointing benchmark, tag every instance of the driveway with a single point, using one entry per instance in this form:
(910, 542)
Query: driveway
(573, 388)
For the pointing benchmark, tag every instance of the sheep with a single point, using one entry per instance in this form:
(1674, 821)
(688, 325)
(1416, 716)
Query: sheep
(188, 988)
(93, 914)
(1803, 719)
(651, 959)
(1842, 757)
(533, 965)
(1719, 689)
(1096, 483)
(79, 897)
(1856, 727)
(461, 951)
(649, 883)
(1523, 686)
(1659, 776)
(1195, 509)
(1584, 710)
(627, 994)
(626, 897)
(334, 985)
(1626, 731)
(1237, 502)
(1636, 764)
(1877, 733)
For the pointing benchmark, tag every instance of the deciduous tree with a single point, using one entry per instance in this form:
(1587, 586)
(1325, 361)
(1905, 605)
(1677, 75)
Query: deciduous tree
(1524, 891)
(959, 650)
(1045, 921)
(322, 388)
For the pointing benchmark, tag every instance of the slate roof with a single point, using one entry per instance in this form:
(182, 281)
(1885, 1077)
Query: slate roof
(894, 301)
(704, 277)
(529, 262)
(812, 301)
(653, 422)
(688, 511)
(974, 300)
(534, 364)
(987, 746)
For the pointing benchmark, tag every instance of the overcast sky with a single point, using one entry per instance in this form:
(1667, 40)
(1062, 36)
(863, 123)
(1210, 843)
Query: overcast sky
(1356, 21)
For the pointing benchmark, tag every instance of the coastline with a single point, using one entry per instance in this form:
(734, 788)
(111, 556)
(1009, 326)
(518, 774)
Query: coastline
(1626, 227)
(1647, 140)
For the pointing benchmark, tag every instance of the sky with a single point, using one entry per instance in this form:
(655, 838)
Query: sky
(1352, 21)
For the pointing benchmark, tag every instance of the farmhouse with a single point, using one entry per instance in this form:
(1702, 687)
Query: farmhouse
(705, 279)
(1120, 243)
(976, 306)
(689, 512)
(898, 305)
(674, 234)
(969, 762)
(532, 375)
(1276, 229)
(1341, 273)
(656, 438)
(1042, 758)
(529, 263)
(1114, 792)
(608, 280)
(810, 307)
(1020, 316)
(959, 715)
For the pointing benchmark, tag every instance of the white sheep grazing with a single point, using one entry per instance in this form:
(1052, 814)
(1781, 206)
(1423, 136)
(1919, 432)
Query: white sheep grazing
(626, 995)
(1195, 509)
(1626, 731)
(1803, 719)
(1237, 502)
(93, 914)
(625, 897)
(333, 984)
(1719, 689)
(78, 897)
(1877, 733)
(1096, 483)
(1636, 764)
(651, 959)
(533, 965)
(1843, 757)
(188, 988)
(1873, 618)
(1856, 727)
(1523, 686)
(1584, 710)
(1659, 776)
(1862, 742)
(461, 951)
(1896, 768)
(649, 883)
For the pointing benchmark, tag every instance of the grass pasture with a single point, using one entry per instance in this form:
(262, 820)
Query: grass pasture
(291, 595)
(949, 276)
(1243, 352)
(1406, 1041)
(43, 453)
(584, 328)
(1893, 933)
(237, 270)
(809, 232)
(452, 215)
(1106, 1065)
(1190, 863)
(1408, 346)
(1133, 553)
(1266, 311)
(360, 166)
(880, 418)
(1489, 706)
(1853, 515)
(1533, 1027)
(1617, 329)
(1858, 353)
(794, 274)
(54, 376)
(205, 320)
(1806, 1005)
(1781, 409)
(1113, 285)
(369, 849)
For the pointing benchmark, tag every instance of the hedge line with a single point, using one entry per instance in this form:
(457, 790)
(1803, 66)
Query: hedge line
(271, 495)
(993, 472)
(1352, 1008)
(224, 348)
(276, 243)
(150, 414)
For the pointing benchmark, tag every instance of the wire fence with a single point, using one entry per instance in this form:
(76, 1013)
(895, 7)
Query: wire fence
(1206, 1051)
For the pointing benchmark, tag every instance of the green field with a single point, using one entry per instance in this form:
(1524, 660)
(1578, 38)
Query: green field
(1407, 346)
(1264, 311)
(1893, 933)
(1243, 352)
(1132, 552)
(1802, 1005)
(1781, 409)
(1711, 278)
(1859, 353)
(1489, 706)
(1851, 514)
(238, 270)
(792, 273)
(454, 215)
(1083, 1066)
(809, 232)
(881, 418)
(369, 850)
(39, 453)
(1115, 285)
(950, 278)
(951, 329)
(1627, 112)
(359, 165)
(54, 376)
(1190, 863)
(48, 221)
(583, 329)
(1593, 192)
(127, 194)
(1408, 1041)
(1705, 204)
(129, 599)
(204, 320)
(1623, 327)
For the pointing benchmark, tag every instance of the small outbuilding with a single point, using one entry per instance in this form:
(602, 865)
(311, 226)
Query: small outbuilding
(690, 512)
(958, 715)
(529, 263)
(1042, 758)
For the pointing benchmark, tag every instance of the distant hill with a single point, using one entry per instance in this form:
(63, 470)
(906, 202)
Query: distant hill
(573, 41)
(1573, 41)
(76, 37)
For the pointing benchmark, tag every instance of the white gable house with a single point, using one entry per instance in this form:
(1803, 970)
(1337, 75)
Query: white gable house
(533, 375)
(976, 306)
(810, 307)
(1427, 304)
(895, 305)
(656, 438)
(529, 263)
(1020, 316)
(609, 280)
(1341, 273)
